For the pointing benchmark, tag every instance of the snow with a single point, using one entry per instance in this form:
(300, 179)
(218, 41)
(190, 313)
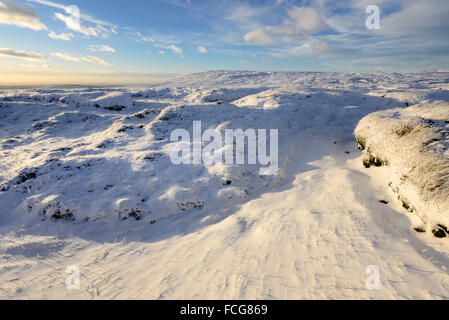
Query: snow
(114, 100)
(86, 180)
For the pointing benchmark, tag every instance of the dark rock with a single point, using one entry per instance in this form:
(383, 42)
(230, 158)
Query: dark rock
(25, 176)
(187, 205)
(153, 156)
(439, 233)
(115, 108)
(444, 228)
(131, 213)
(373, 161)
(67, 215)
(125, 128)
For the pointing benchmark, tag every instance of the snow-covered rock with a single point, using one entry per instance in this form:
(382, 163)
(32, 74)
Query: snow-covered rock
(414, 143)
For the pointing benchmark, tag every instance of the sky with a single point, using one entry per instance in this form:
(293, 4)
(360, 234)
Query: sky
(137, 41)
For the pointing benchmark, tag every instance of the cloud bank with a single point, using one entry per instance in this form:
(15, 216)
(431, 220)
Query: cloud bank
(68, 57)
(22, 54)
(19, 15)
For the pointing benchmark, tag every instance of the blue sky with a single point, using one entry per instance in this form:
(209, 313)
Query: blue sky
(135, 41)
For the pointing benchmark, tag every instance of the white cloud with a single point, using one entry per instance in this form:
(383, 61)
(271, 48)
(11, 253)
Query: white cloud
(416, 19)
(102, 29)
(19, 15)
(103, 48)
(65, 56)
(144, 39)
(94, 59)
(411, 33)
(301, 22)
(68, 57)
(420, 19)
(172, 47)
(68, 9)
(162, 52)
(309, 48)
(176, 50)
(147, 39)
(61, 36)
(30, 55)
(259, 37)
(49, 3)
(71, 24)
(202, 50)
(247, 16)
(34, 66)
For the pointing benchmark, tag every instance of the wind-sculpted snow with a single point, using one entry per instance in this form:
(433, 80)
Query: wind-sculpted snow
(96, 153)
(86, 179)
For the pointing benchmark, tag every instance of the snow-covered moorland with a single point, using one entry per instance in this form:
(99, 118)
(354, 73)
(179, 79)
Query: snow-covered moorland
(86, 180)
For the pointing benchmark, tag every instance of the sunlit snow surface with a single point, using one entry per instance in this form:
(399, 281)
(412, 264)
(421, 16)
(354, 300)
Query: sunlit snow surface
(86, 180)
